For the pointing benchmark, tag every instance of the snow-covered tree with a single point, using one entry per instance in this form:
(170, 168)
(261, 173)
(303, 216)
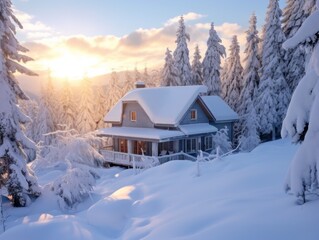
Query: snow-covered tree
(17, 179)
(301, 122)
(252, 64)
(181, 54)
(85, 121)
(249, 138)
(223, 77)
(114, 90)
(197, 68)
(44, 119)
(221, 141)
(52, 101)
(137, 75)
(293, 17)
(68, 109)
(128, 83)
(170, 74)
(234, 79)
(100, 100)
(273, 93)
(248, 122)
(211, 63)
(31, 109)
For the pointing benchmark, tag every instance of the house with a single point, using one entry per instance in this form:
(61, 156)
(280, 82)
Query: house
(164, 121)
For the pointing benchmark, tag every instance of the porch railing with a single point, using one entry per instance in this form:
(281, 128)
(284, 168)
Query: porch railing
(142, 161)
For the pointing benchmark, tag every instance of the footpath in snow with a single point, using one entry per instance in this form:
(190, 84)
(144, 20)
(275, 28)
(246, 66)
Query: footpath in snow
(238, 197)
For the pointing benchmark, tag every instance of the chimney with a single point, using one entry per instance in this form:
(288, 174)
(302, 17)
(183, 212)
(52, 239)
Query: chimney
(139, 84)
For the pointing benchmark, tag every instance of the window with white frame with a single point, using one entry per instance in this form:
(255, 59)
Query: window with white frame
(208, 142)
(193, 114)
(190, 145)
(133, 116)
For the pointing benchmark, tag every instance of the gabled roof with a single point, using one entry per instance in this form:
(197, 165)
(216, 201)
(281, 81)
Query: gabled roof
(163, 105)
(220, 110)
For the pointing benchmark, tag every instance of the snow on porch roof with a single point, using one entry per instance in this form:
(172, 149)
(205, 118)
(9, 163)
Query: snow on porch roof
(199, 128)
(139, 133)
(219, 108)
(163, 105)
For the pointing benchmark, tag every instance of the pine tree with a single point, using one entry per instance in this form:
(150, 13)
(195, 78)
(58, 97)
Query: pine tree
(68, 110)
(138, 76)
(249, 138)
(273, 91)
(15, 176)
(44, 119)
(181, 54)
(85, 121)
(170, 74)
(234, 76)
(128, 83)
(100, 99)
(197, 68)
(301, 121)
(31, 109)
(248, 96)
(114, 90)
(211, 63)
(293, 17)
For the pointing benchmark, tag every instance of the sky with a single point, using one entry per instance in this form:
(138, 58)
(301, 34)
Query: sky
(76, 38)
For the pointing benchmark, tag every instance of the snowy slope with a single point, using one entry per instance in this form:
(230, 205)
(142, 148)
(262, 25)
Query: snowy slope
(239, 197)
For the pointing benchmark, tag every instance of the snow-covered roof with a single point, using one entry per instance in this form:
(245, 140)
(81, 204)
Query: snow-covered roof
(141, 133)
(199, 128)
(219, 108)
(163, 105)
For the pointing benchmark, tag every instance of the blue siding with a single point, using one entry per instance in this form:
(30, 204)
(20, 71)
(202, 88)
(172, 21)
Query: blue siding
(201, 115)
(142, 120)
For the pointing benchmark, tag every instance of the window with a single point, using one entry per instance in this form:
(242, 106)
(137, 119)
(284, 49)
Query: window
(193, 114)
(190, 145)
(208, 143)
(133, 116)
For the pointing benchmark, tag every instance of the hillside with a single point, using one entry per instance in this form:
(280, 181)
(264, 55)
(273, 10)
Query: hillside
(238, 197)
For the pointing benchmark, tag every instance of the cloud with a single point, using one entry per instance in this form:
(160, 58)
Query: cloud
(32, 29)
(187, 17)
(139, 48)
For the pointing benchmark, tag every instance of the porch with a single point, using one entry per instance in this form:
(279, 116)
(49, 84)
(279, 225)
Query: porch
(141, 161)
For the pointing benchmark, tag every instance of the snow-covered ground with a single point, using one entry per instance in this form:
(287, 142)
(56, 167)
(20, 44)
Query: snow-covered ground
(238, 197)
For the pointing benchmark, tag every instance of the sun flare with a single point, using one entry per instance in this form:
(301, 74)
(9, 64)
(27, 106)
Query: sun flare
(74, 66)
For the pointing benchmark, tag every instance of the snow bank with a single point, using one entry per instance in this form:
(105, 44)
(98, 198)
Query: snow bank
(239, 197)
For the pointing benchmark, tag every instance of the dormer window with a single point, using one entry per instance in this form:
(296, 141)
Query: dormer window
(133, 116)
(193, 114)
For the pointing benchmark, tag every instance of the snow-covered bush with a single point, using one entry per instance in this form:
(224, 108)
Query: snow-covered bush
(70, 148)
(73, 187)
(221, 140)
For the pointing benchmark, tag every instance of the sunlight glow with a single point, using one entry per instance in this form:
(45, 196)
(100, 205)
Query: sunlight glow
(74, 66)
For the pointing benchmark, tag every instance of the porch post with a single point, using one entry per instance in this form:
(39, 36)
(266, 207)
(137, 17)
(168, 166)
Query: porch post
(154, 149)
(199, 143)
(176, 146)
(129, 146)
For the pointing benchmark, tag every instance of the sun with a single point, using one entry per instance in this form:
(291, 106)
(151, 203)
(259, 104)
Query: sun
(74, 66)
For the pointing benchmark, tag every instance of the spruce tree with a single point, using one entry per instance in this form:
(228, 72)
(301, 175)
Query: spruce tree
(44, 119)
(68, 109)
(248, 96)
(273, 93)
(181, 54)
(234, 76)
(128, 83)
(293, 17)
(170, 74)
(85, 121)
(15, 175)
(114, 90)
(197, 68)
(211, 63)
